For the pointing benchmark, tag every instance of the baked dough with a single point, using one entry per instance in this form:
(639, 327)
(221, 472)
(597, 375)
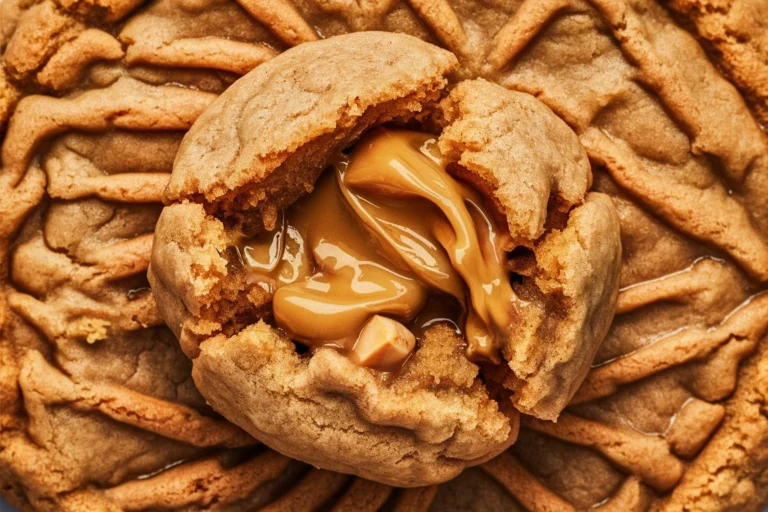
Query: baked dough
(437, 416)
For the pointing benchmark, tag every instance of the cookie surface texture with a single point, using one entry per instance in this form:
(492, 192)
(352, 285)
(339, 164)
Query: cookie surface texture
(95, 98)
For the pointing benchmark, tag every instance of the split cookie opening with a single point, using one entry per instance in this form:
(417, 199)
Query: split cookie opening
(385, 246)
(445, 278)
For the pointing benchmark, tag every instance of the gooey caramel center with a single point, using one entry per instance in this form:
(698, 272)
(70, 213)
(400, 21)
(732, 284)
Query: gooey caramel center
(389, 233)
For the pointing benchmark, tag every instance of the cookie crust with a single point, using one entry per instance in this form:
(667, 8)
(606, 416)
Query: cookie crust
(424, 426)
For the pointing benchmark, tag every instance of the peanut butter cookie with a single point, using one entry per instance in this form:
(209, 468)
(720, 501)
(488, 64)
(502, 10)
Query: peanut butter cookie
(348, 405)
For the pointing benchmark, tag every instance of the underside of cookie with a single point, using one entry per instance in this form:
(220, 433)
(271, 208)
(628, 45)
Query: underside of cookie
(374, 274)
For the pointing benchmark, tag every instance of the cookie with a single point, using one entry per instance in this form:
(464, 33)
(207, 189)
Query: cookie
(435, 417)
(631, 71)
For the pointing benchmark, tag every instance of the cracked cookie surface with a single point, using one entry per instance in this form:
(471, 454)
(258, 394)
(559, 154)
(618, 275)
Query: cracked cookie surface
(321, 407)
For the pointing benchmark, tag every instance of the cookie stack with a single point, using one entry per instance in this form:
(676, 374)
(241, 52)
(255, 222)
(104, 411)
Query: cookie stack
(607, 159)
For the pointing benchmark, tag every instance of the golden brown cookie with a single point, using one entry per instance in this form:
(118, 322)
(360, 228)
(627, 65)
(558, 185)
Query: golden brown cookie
(644, 89)
(436, 417)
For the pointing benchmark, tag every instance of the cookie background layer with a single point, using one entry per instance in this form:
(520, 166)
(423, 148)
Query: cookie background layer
(95, 393)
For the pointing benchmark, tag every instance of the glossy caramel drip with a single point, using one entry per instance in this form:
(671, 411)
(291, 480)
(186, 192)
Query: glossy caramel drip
(330, 277)
(388, 233)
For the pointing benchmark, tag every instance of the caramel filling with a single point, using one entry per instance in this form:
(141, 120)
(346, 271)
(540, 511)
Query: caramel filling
(389, 235)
